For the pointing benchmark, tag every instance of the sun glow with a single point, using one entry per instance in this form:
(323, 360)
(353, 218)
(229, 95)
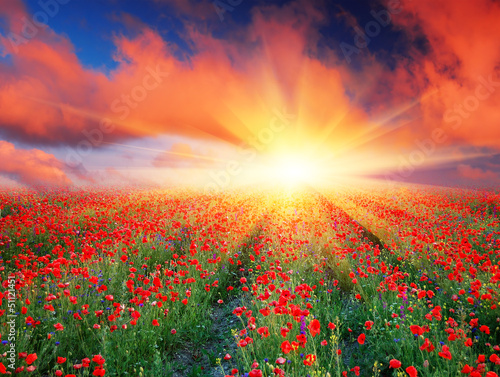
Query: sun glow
(293, 170)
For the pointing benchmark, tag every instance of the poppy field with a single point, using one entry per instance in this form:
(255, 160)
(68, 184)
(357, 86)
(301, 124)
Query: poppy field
(400, 281)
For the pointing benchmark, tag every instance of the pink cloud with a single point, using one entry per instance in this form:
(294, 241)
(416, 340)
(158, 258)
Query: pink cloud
(31, 167)
(469, 172)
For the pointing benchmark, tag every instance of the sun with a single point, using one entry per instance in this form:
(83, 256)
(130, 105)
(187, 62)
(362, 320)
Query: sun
(293, 170)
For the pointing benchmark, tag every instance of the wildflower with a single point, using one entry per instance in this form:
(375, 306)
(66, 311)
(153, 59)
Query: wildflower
(412, 371)
(286, 347)
(361, 339)
(255, 373)
(98, 359)
(394, 363)
(427, 346)
(417, 330)
(314, 327)
(445, 353)
(309, 360)
(356, 370)
(495, 359)
(30, 359)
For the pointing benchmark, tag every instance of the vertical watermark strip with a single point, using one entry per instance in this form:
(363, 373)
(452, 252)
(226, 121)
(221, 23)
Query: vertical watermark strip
(11, 322)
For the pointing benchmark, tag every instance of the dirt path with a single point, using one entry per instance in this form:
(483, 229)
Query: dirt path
(201, 360)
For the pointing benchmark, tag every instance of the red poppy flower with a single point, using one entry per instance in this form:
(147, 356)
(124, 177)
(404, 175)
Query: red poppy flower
(314, 327)
(484, 329)
(99, 372)
(286, 347)
(466, 369)
(445, 353)
(394, 363)
(265, 311)
(495, 359)
(30, 359)
(255, 373)
(302, 339)
(284, 331)
(263, 332)
(98, 359)
(309, 360)
(427, 346)
(412, 371)
(415, 329)
(356, 370)
(361, 339)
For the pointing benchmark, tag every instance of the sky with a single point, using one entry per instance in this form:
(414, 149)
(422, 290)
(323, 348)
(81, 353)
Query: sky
(228, 93)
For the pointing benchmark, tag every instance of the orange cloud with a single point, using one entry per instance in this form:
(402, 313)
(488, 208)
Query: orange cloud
(461, 66)
(226, 92)
(31, 167)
